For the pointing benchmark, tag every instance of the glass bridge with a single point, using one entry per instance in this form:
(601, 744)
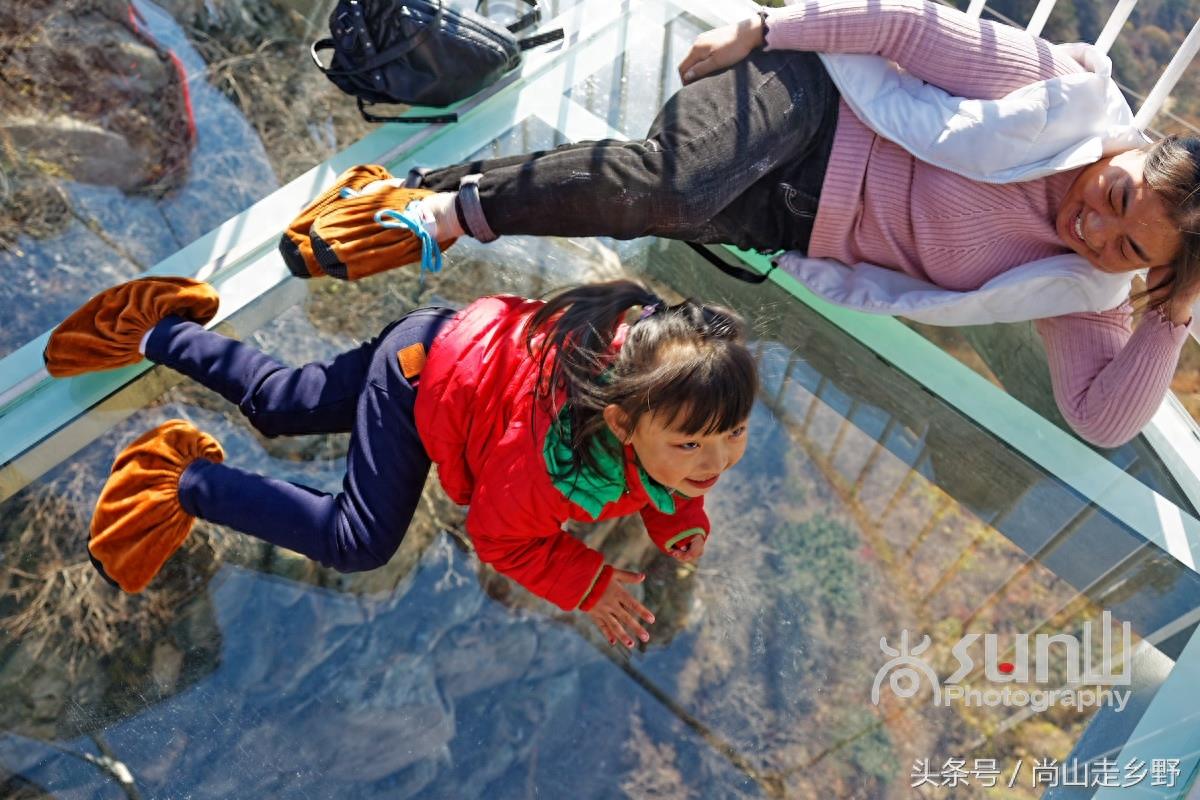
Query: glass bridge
(889, 493)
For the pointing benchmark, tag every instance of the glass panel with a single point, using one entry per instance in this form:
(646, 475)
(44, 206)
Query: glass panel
(863, 508)
(629, 92)
(1015, 353)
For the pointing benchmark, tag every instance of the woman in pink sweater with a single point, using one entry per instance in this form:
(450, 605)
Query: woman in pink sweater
(758, 150)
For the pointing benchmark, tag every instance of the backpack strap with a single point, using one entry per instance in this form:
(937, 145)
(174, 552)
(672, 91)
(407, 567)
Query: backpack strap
(317, 46)
(739, 273)
(433, 119)
(529, 18)
(540, 39)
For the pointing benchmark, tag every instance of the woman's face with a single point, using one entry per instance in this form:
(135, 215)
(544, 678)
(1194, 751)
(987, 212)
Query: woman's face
(1112, 218)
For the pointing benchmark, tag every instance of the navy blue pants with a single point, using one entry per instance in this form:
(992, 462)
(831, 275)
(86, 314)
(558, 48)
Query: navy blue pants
(363, 392)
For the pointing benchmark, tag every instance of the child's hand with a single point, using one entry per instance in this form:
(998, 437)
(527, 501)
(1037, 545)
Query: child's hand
(618, 611)
(689, 550)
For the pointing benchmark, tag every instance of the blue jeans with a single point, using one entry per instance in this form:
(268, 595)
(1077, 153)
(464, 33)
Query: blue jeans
(737, 157)
(362, 392)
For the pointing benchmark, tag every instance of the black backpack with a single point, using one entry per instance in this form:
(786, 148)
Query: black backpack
(419, 52)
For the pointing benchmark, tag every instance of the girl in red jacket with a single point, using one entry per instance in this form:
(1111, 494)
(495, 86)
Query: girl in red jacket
(535, 413)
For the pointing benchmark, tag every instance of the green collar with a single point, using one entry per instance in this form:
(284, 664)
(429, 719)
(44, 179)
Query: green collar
(593, 489)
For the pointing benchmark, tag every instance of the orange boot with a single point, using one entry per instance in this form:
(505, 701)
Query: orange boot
(105, 332)
(294, 245)
(372, 233)
(138, 523)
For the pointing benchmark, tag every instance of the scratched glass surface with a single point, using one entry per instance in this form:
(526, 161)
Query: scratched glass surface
(864, 508)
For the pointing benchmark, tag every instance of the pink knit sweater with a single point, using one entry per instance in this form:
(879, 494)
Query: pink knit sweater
(881, 205)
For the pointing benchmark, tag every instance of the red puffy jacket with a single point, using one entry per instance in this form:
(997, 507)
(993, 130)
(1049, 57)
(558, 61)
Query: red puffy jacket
(476, 416)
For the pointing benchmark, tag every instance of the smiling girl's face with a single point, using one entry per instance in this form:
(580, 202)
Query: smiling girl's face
(1112, 218)
(688, 463)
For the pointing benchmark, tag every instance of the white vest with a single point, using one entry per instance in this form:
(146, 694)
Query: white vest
(1046, 127)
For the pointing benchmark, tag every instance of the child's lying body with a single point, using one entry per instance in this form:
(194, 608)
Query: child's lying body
(534, 412)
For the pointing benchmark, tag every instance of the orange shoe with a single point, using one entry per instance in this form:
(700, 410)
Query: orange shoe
(105, 332)
(138, 523)
(294, 245)
(372, 233)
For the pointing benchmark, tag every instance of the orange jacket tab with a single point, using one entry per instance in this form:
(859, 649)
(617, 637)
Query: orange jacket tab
(412, 360)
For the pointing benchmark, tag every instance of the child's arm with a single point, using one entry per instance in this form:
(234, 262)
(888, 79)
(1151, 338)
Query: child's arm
(532, 550)
(681, 535)
(556, 566)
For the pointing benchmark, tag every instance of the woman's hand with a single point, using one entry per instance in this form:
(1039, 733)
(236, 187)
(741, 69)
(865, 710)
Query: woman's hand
(689, 550)
(617, 611)
(720, 48)
(1178, 309)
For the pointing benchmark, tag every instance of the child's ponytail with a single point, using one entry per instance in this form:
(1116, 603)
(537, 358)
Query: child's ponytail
(579, 326)
(687, 362)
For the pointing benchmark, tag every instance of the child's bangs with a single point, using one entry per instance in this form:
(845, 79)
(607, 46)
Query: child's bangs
(709, 397)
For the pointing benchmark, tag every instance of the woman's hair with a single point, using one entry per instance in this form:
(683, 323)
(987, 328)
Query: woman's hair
(1172, 171)
(687, 363)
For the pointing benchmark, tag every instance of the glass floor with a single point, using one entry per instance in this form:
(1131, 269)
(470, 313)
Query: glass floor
(887, 495)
